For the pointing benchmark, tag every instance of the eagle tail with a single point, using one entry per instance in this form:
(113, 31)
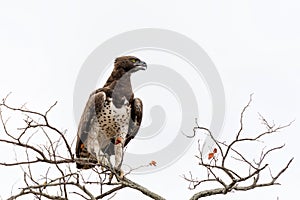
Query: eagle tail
(87, 161)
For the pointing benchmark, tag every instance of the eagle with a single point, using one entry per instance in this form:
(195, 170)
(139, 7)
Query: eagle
(111, 117)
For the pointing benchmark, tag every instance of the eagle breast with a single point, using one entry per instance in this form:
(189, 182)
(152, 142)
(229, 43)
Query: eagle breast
(114, 120)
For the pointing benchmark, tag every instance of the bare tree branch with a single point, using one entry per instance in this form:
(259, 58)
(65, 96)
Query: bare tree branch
(218, 167)
(60, 179)
(47, 148)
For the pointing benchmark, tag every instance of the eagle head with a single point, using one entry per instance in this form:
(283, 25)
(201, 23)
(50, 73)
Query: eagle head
(129, 64)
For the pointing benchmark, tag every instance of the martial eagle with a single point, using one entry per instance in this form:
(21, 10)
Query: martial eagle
(111, 118)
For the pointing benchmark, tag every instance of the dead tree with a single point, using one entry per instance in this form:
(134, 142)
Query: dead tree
(48, 163)
(219, 166)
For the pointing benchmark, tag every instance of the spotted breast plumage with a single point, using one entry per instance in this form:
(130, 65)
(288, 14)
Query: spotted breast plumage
(111, 118)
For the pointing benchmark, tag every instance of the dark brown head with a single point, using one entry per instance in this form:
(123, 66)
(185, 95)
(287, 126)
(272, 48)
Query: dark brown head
(129, 64)
(118, 83)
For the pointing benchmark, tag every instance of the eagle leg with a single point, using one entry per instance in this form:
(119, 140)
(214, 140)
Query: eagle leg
(102, 160)
(119, 153)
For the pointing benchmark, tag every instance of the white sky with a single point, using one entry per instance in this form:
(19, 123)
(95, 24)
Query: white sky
(255, 46)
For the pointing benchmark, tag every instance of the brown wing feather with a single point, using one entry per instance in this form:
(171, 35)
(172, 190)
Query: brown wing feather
(136, 119)
(93, 106)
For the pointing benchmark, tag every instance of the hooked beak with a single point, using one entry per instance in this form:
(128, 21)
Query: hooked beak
(140, 65)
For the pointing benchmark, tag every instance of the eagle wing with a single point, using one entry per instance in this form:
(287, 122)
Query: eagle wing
(89, 116)
(136, 119)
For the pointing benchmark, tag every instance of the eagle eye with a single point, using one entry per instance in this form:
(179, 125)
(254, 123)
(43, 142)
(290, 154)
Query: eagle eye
(133, 60)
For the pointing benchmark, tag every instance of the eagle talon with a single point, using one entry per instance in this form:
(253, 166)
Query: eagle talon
(102, 162)
(119, 173)
(111, 175)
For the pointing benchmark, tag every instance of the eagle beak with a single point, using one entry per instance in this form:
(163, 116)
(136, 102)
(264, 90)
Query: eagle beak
(140, 65)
